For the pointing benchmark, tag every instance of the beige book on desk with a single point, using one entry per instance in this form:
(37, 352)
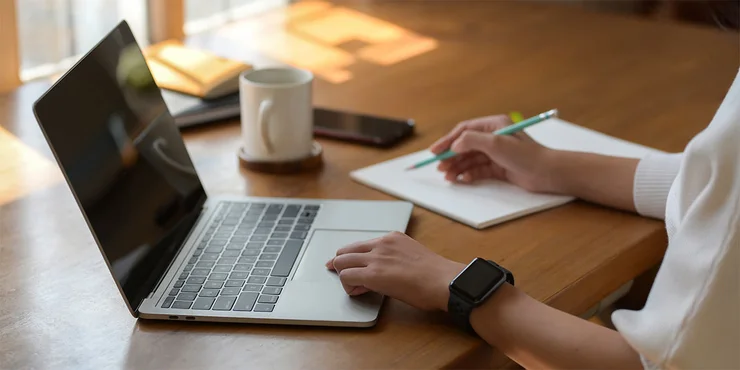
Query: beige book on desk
(489, 202)
(193, 71)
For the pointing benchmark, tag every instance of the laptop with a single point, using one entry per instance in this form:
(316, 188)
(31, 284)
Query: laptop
(174, 252)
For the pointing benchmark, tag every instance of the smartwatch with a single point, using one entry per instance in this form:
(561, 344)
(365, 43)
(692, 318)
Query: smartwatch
(472, 287)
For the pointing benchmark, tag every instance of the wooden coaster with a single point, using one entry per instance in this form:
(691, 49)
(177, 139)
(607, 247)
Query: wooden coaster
(313, 161)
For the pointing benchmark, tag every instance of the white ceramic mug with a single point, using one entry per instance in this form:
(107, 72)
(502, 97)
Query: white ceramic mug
(276, 114)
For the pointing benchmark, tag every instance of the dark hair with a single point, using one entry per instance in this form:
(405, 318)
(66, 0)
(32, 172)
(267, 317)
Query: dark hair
(725, 13)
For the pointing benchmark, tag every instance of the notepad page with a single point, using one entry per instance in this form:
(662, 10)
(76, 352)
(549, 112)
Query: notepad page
(489, 202)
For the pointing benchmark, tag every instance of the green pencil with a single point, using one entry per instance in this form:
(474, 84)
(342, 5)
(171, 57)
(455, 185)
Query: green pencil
(508, 130)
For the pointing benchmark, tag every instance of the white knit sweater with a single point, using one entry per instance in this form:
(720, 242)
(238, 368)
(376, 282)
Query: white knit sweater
(692, 316)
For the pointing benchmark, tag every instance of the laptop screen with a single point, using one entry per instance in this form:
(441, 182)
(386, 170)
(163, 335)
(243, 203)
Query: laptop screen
(124, 160)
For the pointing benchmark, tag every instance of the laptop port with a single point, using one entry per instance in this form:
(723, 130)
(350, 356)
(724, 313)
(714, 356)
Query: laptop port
(173, 317)
(189, 318)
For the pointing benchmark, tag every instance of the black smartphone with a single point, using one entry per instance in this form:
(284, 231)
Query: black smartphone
(361, 128)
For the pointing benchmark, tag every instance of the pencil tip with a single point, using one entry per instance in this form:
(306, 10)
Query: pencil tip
(410, 168)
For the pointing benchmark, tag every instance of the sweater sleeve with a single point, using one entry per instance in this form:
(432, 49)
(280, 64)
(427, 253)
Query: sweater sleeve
(653, 179)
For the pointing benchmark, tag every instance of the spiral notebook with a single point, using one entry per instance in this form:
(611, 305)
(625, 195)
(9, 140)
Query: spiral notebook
(491, 202)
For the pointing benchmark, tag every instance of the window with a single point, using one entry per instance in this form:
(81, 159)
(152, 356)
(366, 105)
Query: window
(201, 15)
(53, 34)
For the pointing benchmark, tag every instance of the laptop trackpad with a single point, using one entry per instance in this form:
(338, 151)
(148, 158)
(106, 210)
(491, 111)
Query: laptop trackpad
(322, 247)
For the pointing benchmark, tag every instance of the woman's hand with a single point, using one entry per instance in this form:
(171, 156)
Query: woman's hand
(481, 155)
(399, 267)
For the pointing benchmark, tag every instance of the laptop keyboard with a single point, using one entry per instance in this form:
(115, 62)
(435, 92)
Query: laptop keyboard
(244, 258)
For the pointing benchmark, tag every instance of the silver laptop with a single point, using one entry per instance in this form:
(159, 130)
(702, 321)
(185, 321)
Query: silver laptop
(174, 253)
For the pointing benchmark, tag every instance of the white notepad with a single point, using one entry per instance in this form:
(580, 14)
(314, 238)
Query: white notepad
(490, 202)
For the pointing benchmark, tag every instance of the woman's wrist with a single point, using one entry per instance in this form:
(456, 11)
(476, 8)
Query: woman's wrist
(556, 172)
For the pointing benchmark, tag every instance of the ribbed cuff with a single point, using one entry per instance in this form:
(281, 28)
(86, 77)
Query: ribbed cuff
(653, 180)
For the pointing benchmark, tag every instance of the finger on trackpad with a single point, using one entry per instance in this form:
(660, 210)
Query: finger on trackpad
(322, 247)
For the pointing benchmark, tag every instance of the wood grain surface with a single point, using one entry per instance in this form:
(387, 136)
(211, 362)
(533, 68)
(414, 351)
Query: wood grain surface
(436, 62)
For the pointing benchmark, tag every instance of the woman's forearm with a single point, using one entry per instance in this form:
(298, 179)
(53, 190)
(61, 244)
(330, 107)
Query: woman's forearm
(596, 178)
(538, 336)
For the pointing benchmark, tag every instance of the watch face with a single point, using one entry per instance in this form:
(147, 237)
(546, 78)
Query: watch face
(478, 279)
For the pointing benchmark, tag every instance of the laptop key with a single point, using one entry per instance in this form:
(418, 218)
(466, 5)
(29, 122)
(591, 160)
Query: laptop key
(218, 276)
(224, 303)
(239, 239)
(258, 206)
(282, 228)
(222, 268)
(208, 293)
(266, 225)
(268, 256)
(251, 252)
(261, 272)
(231, 253)
(257, 245)
(243, 267)
(274, 208)
(252, 288)
(276, 242)
(257, 279)
(312, 208)
(270, 217)
(276, 281)
(188, 268)
(301, 227)
(239, 275)
(179, 283)
(190, 288)
(205, 265)
(231, 291)
(246, 301)
(248, 259)
(217, 243)
(272, 249)
(287, 258)
(209, 256)
(262, 307)
(196, 280)
(258, 238)
(174, 291)
(181, 304)
(235, 246)
(286, 221)
(261, 231)
(267, 298)
(193, 260)
(300, 235)
(226, 261)
(168, 302)
(186, 296)
(305, 221)
(211, 284)
(234, 283)
(200, 271)
(267, 264)
(184, 275)
(271, 290)
(203, 303)
(292, 210)
(197, 252)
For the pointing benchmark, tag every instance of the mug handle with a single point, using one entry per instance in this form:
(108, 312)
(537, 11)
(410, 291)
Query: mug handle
(262, 119)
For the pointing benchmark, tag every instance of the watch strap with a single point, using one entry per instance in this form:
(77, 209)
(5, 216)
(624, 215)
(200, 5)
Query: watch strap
(460, 310)
(508, 275)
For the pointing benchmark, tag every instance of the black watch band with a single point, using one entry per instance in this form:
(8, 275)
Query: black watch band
(460, 308)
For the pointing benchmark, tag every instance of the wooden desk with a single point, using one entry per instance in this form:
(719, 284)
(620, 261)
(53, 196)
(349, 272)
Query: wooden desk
(654, 84)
